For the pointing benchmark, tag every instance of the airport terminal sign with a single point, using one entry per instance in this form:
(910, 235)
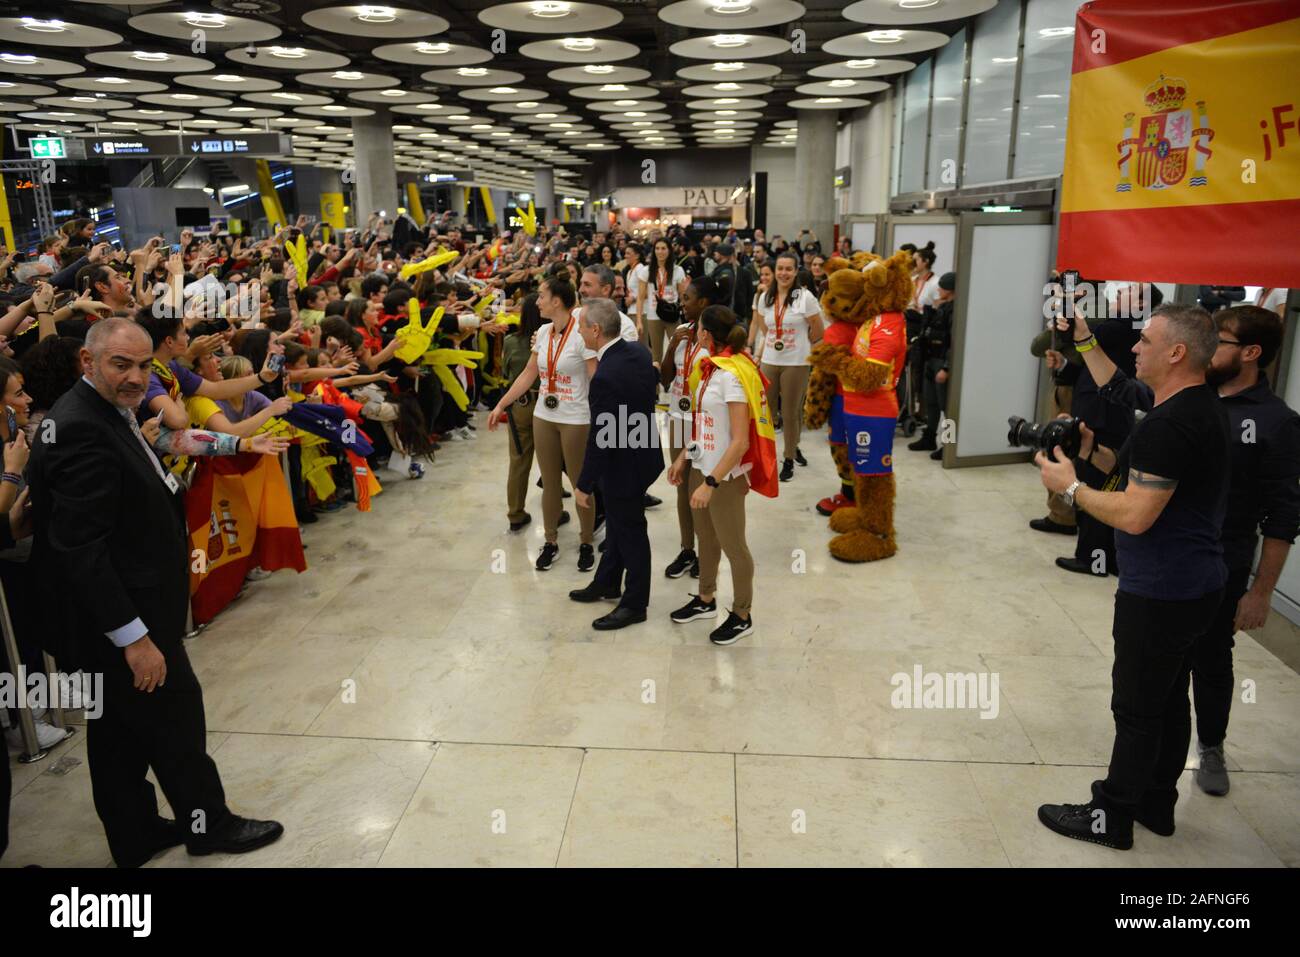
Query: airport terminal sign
(211, 146)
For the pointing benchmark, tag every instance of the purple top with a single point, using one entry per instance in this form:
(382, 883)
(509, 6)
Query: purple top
(189, 382)
(254, 402)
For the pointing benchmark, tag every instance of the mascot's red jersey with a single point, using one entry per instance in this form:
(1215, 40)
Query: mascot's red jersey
(881, 340)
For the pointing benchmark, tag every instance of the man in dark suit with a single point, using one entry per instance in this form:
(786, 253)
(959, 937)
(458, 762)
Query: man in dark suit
(112, 556)
(623, 458)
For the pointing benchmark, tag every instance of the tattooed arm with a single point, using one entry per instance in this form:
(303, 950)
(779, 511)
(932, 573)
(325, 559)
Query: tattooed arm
(1133, 510)
(195, 442)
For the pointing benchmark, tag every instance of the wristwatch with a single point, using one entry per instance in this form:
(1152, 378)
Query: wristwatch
(1068, 494)
(710, 481)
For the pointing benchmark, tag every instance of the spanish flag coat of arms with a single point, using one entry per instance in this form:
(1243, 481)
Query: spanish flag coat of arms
(1182, 155)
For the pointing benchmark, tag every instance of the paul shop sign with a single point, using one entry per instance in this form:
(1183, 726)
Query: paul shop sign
(690, 197)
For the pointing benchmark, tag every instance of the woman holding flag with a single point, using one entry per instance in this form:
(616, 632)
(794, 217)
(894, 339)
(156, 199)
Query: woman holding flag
(732, 448)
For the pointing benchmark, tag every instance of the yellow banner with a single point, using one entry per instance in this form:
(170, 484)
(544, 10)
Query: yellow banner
(1189, 125)
(331, 210)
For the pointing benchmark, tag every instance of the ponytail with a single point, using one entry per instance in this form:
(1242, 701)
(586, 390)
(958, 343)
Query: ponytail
(721, 323)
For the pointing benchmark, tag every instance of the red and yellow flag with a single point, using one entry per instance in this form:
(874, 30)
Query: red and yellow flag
(1182, 158)
(240, 515)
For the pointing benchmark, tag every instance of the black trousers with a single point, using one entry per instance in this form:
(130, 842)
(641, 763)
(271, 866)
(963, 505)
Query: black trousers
(936, 398)
(627, 549)
(1153, 723)
(164, 730)
(1212, 682)
(6, 785)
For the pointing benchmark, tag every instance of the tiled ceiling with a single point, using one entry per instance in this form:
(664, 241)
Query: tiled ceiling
(568, 83)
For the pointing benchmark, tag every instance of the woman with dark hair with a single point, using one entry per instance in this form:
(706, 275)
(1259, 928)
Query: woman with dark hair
(50, 368)
(685, 351)
(711, 467)
(924, 279)
(564, 366)
(662, 285)
(516, 351)
(607, 257)
(789, 319)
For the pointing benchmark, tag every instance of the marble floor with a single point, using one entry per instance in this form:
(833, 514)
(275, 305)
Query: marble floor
(421, 696)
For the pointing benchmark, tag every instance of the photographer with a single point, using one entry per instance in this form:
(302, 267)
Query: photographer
(1167, 513)
(1115, 336)
(1065, 365)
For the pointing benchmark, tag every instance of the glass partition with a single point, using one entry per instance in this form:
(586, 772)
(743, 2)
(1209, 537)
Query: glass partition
(992, 93)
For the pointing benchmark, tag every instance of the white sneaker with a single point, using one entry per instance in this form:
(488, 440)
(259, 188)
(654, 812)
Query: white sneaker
(257, 574)
(453, 435)
(465, 433)
(47, 736)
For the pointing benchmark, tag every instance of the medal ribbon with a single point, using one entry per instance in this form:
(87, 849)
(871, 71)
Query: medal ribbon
(706, 373)
(553, 354)
(778, 310)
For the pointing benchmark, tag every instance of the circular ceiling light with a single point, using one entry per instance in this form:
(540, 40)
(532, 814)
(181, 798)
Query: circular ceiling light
(550, 9)
(579, 44)
(21, 59)
(727, 67)
(884, 36)
(733, 7)
(598, 69)
(377, 15)
(288, 53)
(472, 71)
(210, 21)
(432, 49)
(728, 41)
(348, 75)
(861, 64)
(150, 57)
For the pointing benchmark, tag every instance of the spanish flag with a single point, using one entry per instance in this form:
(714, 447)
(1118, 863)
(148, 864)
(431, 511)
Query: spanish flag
(240, 515)
(761, 454)
(1182, 158)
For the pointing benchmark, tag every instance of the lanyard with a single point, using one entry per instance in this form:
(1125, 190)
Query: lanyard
(553, 354)
(660, 281)
(706, 373)
(779, 307)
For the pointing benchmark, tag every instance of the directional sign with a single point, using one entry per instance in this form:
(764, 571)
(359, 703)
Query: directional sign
(47, 147)
(207, 147)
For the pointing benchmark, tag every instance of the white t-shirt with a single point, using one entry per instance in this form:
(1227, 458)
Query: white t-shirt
(794, 328)
(927, 294)
(632, 278)
(672, 278)
(571, 378)
(1274, 299)
(677, 390)
(712, 430)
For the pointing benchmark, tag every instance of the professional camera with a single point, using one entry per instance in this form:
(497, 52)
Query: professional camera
(1047, 436)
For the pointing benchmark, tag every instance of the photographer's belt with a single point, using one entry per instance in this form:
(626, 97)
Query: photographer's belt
(552, 360)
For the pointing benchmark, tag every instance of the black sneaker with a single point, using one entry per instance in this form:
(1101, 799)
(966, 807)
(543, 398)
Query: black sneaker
(586, 558)
(787, 470)
(516, 526)
(546, 557)
(305, 516)
(684, 560)
(799, 459)
(1088, 822)
(694, 610)
(732, 630)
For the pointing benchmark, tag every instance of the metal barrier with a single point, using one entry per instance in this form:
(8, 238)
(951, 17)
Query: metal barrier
(32, 750)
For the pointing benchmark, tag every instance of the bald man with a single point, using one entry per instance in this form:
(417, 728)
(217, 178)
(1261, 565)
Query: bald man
(111, 554)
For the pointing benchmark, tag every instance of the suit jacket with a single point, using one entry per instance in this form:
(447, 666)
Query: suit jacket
(110, 540)
(622, 397)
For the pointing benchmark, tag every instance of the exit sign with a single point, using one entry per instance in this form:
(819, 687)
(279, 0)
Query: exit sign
(47, 147)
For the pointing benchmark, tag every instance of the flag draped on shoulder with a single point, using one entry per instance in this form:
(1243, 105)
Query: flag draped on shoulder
(761, 454)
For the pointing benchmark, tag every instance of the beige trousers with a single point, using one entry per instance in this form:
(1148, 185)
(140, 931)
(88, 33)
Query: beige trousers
(721, 528)
(521, 459)
(560, 449)
(786, 389)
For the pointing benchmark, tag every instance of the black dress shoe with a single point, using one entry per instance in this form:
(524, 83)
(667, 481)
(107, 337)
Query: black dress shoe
(239, 835)
(1047, 525)
(651, 500)
(516, 526)
(620, 617)
(1079, 566)
(937, 455)
(594, 592)
(1089, 822)
(922, 445)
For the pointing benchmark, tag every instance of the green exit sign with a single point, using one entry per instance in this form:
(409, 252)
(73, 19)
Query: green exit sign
(48, 147)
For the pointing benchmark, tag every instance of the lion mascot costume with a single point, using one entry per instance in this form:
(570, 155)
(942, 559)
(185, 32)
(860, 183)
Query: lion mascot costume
(855, 371)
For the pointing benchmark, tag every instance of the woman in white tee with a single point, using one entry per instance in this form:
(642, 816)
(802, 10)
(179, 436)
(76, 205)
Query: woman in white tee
(789, 320)
(712, 469)
(685, 352)
(660, 281)
(924, 281)
(766, 277)
(564, 366)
